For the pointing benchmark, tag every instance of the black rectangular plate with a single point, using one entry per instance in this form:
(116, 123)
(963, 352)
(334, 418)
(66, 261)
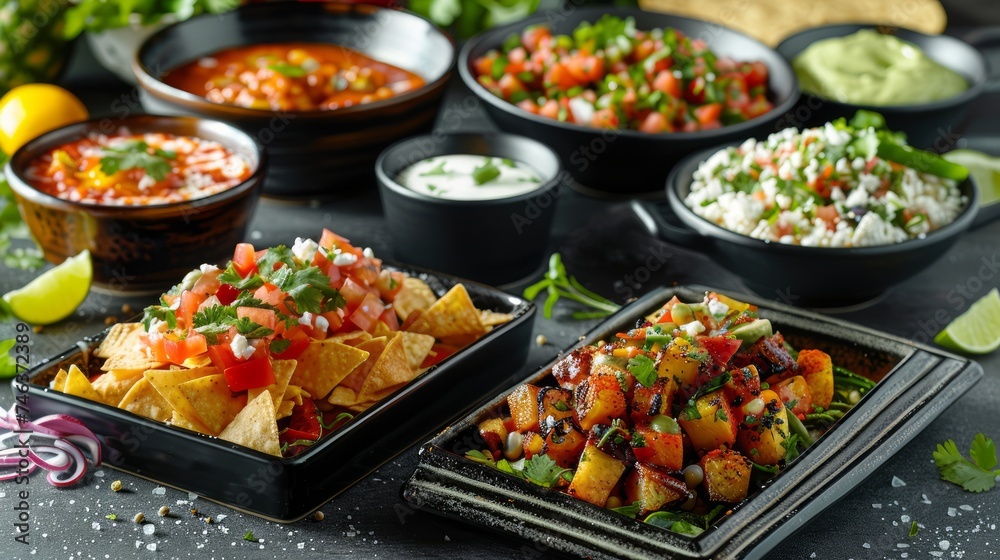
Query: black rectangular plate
(286, 490)
(916, 384)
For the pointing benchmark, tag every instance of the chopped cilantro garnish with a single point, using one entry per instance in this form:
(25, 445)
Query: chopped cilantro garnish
(436, 170)
(280, 345)
(248, 536)
(137, 155)
(485, 173)
(250, 329)
(690, 410)
(630, 510)
(288, 70)
(159, 312)
(643, 368)
(977, 475)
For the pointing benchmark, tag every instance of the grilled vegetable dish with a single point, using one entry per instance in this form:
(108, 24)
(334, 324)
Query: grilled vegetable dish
(673, 421)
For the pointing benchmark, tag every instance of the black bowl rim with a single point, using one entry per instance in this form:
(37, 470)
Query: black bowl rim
(390, 183)
(715, 232)
(142, 122)
(154, 85)
(966, 96)
(481, 92)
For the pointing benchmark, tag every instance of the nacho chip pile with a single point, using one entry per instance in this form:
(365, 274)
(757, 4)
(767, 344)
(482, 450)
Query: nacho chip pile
(272, 351)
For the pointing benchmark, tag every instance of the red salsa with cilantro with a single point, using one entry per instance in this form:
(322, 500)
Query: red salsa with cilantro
(292, 77)
(610, 75)
(129, 169)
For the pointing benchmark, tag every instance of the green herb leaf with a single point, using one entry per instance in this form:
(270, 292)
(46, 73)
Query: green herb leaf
(975, 475)
(161, 313)
(643, 368)
(436, 170)
(288, 70)
(137, 155)
(275, 255)
(557, 284)
(248, 536)
(485, 173)
(233, 278)
(543, 471)
(914, 529)
(112, 516)
(250, 329)
(279, 345)
(630, 510)
(690, 410)
(791, 445)
(480, 457)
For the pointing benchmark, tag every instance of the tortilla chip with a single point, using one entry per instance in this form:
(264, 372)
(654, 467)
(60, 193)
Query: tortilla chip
(255, 427)
(390, 370)
(342, 396)
(114, 386)
(213, 402)
(352, 338)
(773, 20)
(59, 381)
(357, 377)
(168, 381)
(283, 370)
(177, 420)
(452, 315)
(295, 394)
(123, 349)
(324, 364)
(78, 384)
(199, 361)
(415, 295)
(143, 399)
(284, 409)
(417, 347)
(382, 329)
(492, 318)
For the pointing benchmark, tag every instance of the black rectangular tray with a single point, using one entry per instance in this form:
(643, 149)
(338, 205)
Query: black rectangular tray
(286, 490)
(916, 384)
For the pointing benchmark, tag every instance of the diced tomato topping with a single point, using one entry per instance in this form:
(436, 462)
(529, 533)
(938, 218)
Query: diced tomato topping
(250, 374)
(708, 114)
(390, 319)
(720, 348)
(263, 317)
(178, 350)
(354, 293)
(439, 352)
(227, 293)
(190, 302)
(245, 259)
(367, 314)
(222, 356)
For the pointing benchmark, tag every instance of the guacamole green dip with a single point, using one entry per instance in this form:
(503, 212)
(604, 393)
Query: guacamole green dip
(869, 68)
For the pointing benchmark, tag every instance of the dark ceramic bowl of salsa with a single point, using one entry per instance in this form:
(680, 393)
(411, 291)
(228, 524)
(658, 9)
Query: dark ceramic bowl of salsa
(139, 247)
(927, 125)
(625, 161)
(313, 152)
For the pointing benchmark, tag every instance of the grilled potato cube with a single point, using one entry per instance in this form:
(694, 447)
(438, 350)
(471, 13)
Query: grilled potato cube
(598, 472)
(533, 444)
(727, 476)
(715, 427)
(523, 404)
(653, 488)
(761, 439)
(817, 368)
(494, 433)
(795, 394)
(660, 449)
(599, 400)
(624, 377)
(564, 443)
(744, 386)
(674, 364)
(647, 402)
(554, 403)
(574, 367)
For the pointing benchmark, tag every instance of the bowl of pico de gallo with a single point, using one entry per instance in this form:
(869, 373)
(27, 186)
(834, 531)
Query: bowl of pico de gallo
(623, 95)
(149, 196)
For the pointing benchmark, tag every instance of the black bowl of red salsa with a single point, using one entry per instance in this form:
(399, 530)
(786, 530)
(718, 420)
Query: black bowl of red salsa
(151, 197)
(622, 95)
(326, 86)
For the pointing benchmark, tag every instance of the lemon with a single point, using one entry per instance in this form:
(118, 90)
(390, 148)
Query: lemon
(29, 111)
(985, 171)
(977, 331)
(54, 295)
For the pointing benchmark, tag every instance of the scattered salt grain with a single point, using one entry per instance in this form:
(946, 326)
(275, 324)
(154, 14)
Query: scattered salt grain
(877, 506)
(897, 482)
(904, 518)
(925, 499)
(966, 507)
(220, 517)
(943, 545)
(902, 545)
(95, 526)
(256, 235)
(192, 496)
(148, 529)
(948, 529)
(99, 474)
(952, 512)
(138, 544)
(151, 547)
(159, 491)
(866, 545)
(301, 545)
(937, 553)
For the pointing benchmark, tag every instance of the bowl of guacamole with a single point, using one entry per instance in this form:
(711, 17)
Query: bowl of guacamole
(922, 84)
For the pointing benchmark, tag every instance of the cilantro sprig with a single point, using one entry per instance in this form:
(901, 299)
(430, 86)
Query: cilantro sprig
(690, 409)
(643, 368)
(308, 288)
(557, 284)
(977, 475)
(137, 155)
(540, 469)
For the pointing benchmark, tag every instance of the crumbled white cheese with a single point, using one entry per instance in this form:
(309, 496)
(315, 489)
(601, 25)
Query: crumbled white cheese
(368, 253)
(206, 268)
(693, 328)
(717, 308)
(321, 323)
(345, 259)
(306, 319)
(304, 249)
(241, 347)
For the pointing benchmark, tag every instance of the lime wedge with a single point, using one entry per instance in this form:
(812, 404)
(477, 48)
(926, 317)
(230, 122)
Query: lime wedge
(985, 171)
(977, 331)
(54, 295)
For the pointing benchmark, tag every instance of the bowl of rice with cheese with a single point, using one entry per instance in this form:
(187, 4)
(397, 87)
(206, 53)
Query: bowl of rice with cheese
(836, 214)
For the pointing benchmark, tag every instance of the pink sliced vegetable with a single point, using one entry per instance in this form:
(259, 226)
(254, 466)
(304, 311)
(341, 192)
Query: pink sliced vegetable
(52, 442)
